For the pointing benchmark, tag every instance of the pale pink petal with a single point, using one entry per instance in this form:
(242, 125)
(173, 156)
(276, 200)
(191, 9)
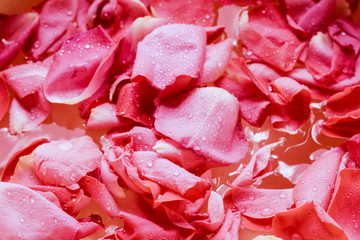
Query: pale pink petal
(70, 77)
(14, 30)
(169, 175)
(64, 162)
(199, 12)
(317, 183)
(230, 228)
(104, 117)
(136, 101)
(25, 214)
(307, 222)
(4, 98)
(169, 52)
(194, 119)
(110, 179)
(345, 203)
(264, 31)
(259, 164)
(55, 16)
(216, 60)
(25, 79)
(310, 16)
(28, 113)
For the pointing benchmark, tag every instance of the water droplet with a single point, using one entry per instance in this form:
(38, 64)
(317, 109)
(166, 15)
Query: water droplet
(87, 46)
(176, 173)
(149, 164)
(69, 13)
(283, 195)
(296, 236)
(32, 200)
(22, 220)
(252, 197)
(72, 177)
(37, 44)
(267, 212)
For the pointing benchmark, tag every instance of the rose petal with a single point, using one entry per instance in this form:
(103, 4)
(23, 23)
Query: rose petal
(55, 16)
(346, 34)
(70, 77)
(104, 116)
(318, 181)
(345, 201)
(14, 31)
(25, 79)
(169, 52)
(136, 101)
(169, 175)
(28, 113)
(4, 98)
(307, 222)
(64, 162)
(194, 118)
(199, 12)
(216, 60)
(264, 31)
(230, 228)
(30, 212)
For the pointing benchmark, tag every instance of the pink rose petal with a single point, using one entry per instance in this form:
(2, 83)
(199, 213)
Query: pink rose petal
(230, 227)
(259, 164)
(307, 222)
(30, 212)
(310, 16)
(216, 60)
(14, 30)
(345, 201)
(70, 77)
(346, 34)
(317, 183)
(55, 16)
(194, 119)
(28, 113)
(64, 162)
(104, 116)
(169, 175)
(353, 146)
(292, 115)
(169, 52)
(264, 31)
(261, 203)
(199, 12)
(25, 79)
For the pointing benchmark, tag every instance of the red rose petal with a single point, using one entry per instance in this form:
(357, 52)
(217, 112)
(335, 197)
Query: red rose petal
(345, 201)
(307, 222)
(4, 98)
(65, 162)
(346, 34)
(194, 119)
